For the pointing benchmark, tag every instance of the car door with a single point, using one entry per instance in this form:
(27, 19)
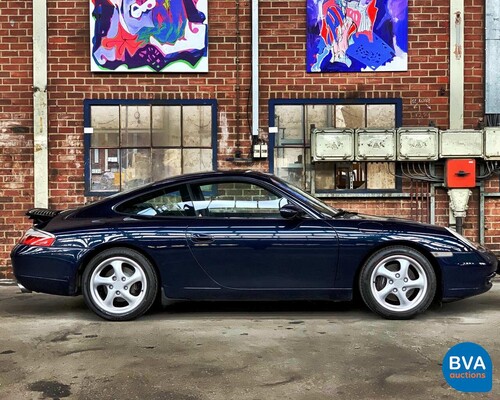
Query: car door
(242, 242)
(156, 223)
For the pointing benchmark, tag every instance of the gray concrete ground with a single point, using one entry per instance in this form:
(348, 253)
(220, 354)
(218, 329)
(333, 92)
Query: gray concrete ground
(53, 347)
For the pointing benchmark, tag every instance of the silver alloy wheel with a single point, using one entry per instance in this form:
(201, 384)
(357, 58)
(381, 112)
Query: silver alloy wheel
(399, 283)
(118, 285)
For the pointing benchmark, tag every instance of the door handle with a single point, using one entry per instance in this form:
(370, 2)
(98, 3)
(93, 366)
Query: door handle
(201, 238)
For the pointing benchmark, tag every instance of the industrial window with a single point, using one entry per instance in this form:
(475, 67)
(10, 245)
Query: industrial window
(130, 143)
(291, 145)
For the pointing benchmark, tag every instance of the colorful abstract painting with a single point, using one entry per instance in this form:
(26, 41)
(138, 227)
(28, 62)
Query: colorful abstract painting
(357, 35)
(149, 35)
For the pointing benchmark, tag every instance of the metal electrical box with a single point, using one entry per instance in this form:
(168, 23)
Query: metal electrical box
(460, 173)
(332, 144)
(375, 144)
(492, 143)
(461, 143)
(418, 144)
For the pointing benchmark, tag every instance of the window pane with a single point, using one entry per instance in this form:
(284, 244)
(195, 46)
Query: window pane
(105, 170)
(105, 121)
(381, 176)
(135, 126)
(290, 166)
(166, 126)
(196, 160)
(324, 175)
(289, 120)
(174, 203)
(166, 162)
(238, 200)
(350, 116)
(136, 167)
(381, 116)
(197, 126)
(350, 175)
(318, 115)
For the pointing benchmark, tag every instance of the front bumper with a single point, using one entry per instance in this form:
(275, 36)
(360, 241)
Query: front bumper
(467, 274)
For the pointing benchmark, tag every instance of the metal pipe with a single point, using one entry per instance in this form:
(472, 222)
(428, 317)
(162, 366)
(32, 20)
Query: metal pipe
(482, 222)
(40, 107)
(238, 86)
(22, 288)
(457, 74)
(459, 225)
(432, 216)
(255, 67)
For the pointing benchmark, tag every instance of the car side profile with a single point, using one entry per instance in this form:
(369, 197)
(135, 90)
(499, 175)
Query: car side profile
(242, 235)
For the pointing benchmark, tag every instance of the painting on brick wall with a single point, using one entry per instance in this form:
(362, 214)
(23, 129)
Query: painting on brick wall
(357, 35)
(149, 35)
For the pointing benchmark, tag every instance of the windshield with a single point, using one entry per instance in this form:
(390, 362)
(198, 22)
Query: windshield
(312, 201)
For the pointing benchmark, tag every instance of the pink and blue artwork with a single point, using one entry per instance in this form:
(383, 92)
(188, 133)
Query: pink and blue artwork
(357, 35)
(149, 35)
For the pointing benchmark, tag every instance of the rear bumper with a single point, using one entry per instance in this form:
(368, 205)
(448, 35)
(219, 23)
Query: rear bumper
(46, 269)
(43, 285)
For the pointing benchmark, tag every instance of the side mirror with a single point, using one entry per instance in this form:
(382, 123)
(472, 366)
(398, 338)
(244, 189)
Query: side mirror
(291, 211)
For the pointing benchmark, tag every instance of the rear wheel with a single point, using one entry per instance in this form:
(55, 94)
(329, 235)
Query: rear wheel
(397, 282)
(119, 284)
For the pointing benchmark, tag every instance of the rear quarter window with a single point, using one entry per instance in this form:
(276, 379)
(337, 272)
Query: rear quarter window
(163, 203)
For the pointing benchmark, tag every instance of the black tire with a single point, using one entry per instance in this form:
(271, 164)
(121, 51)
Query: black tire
(119, 284)
(397, 282)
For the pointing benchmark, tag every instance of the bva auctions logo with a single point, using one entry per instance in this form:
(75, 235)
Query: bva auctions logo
(467, 367)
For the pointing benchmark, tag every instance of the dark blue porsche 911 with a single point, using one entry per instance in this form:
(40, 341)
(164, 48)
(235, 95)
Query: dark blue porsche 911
(242, 235)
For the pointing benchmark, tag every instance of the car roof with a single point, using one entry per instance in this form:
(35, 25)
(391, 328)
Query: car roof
(180, 179)
(110, 201)
(213, 174)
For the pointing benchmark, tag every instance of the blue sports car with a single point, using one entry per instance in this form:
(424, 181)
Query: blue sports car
(242, 235)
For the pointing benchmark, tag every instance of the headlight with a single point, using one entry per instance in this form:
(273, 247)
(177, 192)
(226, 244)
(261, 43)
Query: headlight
(464, 240)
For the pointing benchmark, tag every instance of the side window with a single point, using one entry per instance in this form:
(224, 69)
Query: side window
(237, 200)
(165, 203)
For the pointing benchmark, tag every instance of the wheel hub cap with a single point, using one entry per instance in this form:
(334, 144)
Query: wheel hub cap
(399, 283)
(118, 285)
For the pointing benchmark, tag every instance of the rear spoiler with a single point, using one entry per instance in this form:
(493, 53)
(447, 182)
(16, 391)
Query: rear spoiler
(39, 215)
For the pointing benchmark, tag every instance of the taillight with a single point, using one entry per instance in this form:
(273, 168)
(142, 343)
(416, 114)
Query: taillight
(35, 237)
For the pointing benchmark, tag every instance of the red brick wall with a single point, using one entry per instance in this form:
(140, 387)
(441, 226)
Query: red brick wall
(474, 62)
(426, 83)
(424, 89)
(16, 125)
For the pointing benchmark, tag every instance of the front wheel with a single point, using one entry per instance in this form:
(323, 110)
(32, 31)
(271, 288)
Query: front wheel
(397, 282)
(119, 284)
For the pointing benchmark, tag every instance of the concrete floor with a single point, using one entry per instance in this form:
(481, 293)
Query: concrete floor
(53, 347)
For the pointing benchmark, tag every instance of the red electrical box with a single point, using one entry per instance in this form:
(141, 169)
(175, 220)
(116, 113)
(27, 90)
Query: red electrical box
(461, 173)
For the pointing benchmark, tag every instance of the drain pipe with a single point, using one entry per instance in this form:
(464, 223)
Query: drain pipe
(459, 199)
(457, 74)
(457, 82)
(40, 107)
(255, 69)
